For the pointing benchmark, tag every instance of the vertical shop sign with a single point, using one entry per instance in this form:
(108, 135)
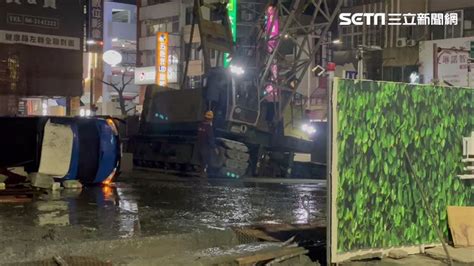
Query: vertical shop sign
(162, 58)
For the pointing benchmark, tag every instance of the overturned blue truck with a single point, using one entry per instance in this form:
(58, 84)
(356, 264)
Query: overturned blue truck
(67, 148)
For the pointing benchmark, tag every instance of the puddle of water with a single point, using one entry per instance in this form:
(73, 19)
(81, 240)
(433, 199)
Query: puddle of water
(151, 208)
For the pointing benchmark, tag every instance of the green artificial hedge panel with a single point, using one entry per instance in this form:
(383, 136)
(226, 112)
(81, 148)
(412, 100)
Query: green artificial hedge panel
(378, 202)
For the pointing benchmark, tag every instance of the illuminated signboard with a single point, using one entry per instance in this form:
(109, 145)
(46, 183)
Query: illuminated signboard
(96, 20)
(232, 12)
(272, 29)
(44, 37)
(162, 58)
(145, 75)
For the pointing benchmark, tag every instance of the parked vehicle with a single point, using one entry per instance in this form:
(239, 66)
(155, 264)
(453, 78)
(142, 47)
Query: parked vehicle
(68, 148)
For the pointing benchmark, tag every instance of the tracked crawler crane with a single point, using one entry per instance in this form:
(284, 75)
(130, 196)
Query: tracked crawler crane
(252, 104)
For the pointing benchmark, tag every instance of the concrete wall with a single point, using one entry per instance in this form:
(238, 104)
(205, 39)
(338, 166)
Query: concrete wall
(149, 43)
(126, 31)
(395, 56)
(164, 10)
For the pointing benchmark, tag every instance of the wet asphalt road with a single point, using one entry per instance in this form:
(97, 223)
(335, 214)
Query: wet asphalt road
(138, 207)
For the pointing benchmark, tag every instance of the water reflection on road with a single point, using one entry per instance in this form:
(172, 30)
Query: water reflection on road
(142, 208)
(107, 210)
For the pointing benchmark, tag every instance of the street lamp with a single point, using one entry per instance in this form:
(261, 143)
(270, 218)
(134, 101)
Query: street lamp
(238, 70)
(93, 42)
(308, 128)
(336, 41)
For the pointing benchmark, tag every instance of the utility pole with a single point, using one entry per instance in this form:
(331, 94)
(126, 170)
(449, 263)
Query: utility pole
(93, 75)
(360, 62)
(91, 100)
(469, 72)
(435, 64)
(469, 61)
(361, 50)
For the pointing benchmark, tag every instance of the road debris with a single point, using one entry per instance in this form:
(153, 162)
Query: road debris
(72, 184)
(56, 186)
(272, 256)
(60, 261)
(41, 181)
(16, 194)
(52, 213)
(397, 254)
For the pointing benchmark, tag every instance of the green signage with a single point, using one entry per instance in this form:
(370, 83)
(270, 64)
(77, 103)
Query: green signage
(232, 12)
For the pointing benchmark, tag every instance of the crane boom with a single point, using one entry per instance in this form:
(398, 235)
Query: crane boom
(304, 25)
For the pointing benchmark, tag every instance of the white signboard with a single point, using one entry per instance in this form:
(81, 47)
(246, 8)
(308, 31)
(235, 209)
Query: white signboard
(112, 57)
(452, 61)
(42, 40)
(145, 75)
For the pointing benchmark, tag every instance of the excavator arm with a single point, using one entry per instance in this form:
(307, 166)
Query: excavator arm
(214, 36)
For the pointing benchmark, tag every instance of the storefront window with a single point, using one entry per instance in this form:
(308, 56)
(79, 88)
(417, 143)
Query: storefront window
(122, 16)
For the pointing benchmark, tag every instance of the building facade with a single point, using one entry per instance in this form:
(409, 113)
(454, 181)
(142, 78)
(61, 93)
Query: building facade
(161, 16)
(120, 34)
(453, 43)
(175, 18)
(393, 52)
(117, 36)
(383, 45)
(40, 54)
